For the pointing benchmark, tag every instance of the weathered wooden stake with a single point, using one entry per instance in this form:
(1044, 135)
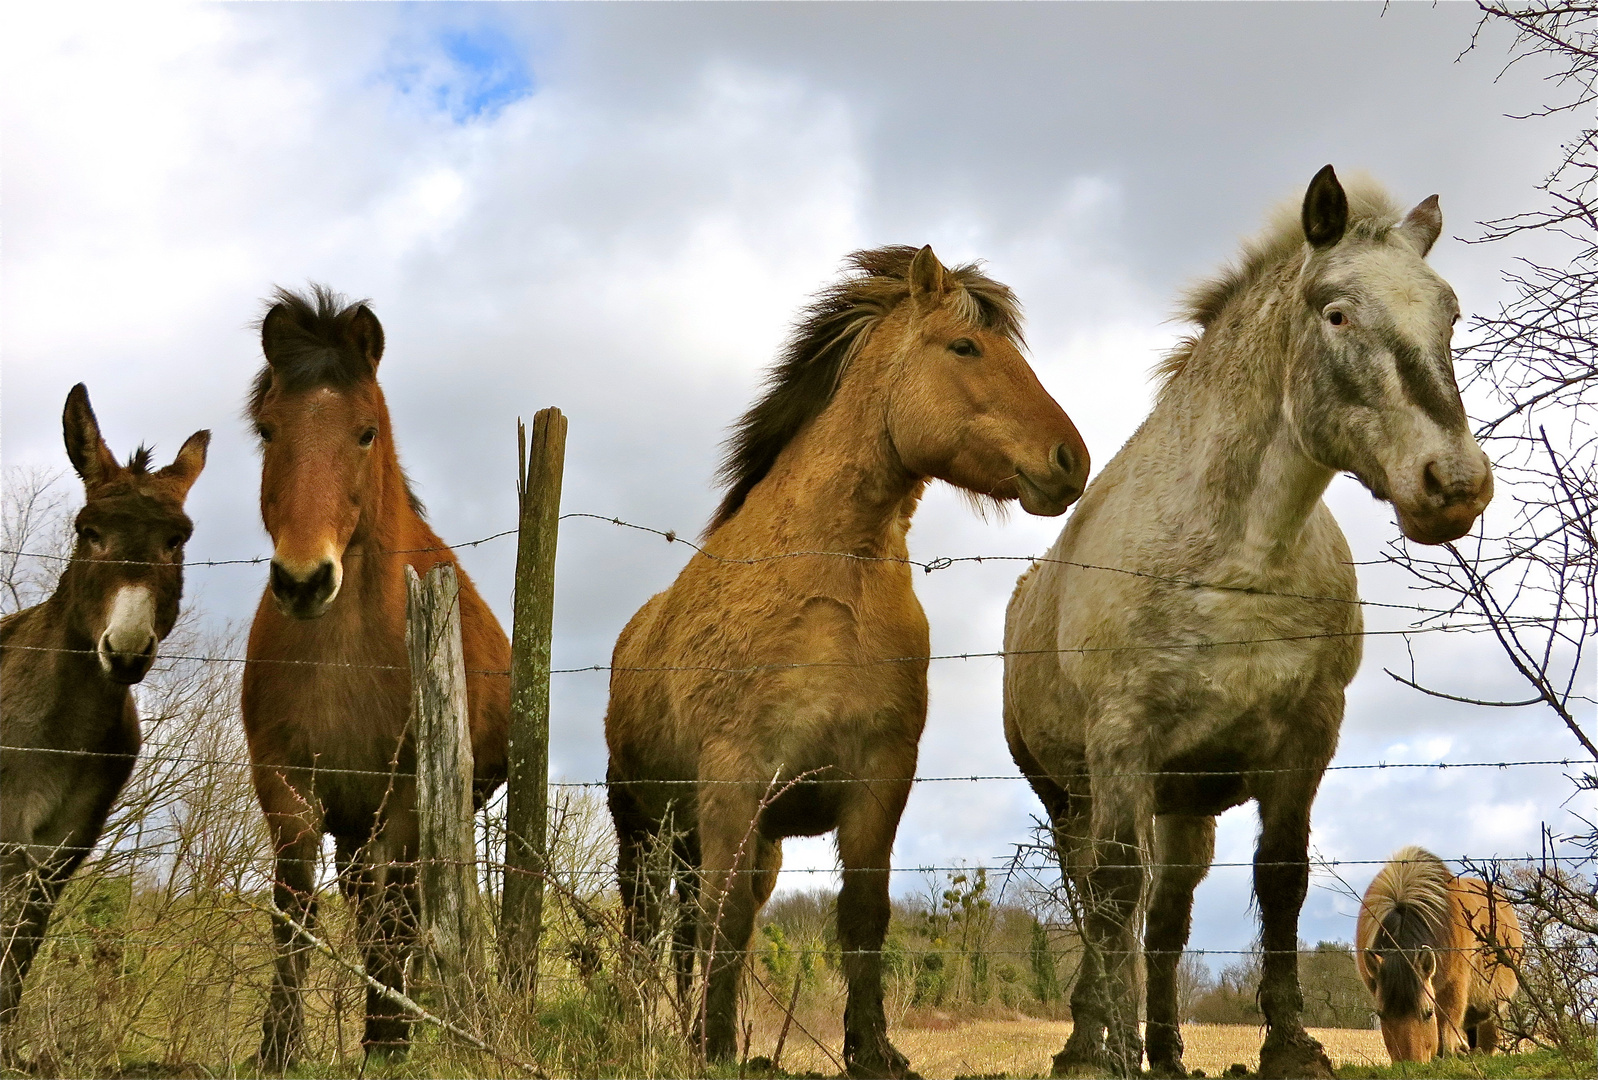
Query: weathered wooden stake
(450, 917)
(539, 471)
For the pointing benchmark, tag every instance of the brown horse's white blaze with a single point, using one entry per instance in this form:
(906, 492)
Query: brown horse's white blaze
(1141, 705)
(815, 665)
(66, 666)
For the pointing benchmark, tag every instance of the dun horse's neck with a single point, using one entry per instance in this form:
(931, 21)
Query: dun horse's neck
(1241, 471)
(838, 486)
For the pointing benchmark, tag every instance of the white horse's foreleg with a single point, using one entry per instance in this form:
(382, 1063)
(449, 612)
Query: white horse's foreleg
(1183, 847)
(1122, 811)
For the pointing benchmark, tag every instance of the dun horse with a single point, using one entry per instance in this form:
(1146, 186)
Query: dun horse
(755, 668)
(326, 696)
(1439, 953)
(1211, 671)
(67, 718)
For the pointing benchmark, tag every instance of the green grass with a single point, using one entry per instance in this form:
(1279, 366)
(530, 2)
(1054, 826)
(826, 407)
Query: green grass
(1529, 1066)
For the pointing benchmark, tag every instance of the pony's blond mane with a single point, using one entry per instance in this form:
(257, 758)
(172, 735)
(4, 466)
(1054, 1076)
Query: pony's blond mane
(1371, 215)
(1415, 879)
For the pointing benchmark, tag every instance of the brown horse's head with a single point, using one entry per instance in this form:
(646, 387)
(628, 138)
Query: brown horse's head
(125, 580)
(325, 441)
(966, 407)
(1402, 982)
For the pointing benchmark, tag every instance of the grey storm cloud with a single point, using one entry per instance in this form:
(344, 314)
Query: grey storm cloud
(618, 210)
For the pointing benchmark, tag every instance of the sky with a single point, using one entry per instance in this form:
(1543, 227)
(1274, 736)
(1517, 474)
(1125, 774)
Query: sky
(618, 209)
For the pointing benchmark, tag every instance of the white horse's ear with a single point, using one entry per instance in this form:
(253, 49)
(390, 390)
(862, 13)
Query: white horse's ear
(1325, 213)
(926, 279)
(1423, 225)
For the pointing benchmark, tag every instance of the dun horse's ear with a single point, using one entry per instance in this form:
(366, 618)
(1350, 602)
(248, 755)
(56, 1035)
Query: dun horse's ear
(1325, 209)
(1426, 961)
(1373, 967)
(185, 468)
(1423, 225)
(274, 328)
(367, 334)
(926, 278)
(87, 451)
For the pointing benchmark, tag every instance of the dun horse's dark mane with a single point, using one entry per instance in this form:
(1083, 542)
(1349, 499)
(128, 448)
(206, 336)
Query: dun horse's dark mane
(1408, 908)
(827, 335)
(315, 348)
(1371, 216)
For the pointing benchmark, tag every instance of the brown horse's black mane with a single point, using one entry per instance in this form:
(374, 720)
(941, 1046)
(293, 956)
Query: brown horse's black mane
(315, 347)
(826, 336)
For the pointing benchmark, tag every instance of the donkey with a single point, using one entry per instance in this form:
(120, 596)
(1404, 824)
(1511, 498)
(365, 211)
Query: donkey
(1439, 954)
(779, 687)
(68, 724)
(1207, 666)
(326, 694)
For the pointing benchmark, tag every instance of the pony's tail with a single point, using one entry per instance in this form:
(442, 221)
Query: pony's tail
(1414, 880)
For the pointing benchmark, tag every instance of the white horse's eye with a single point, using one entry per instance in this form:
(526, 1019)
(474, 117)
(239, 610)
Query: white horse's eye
(1336, 318)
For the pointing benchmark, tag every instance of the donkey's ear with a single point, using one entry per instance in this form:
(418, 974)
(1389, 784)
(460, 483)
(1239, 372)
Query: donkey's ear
(86, 450)
(1423, 225)
(367, 334)
(185, 468)
(1325, 209)
(275, 328)
(926, 278)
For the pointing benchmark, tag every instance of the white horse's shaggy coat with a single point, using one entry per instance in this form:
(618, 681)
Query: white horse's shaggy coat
(1212, 670)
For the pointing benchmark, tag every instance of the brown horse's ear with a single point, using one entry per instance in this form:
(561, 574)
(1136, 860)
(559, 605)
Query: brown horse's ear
(185, 468)
(926, 279)
(274, 332)
(1325, 213)
(367, 334)
(86, 450)
(1423, 225)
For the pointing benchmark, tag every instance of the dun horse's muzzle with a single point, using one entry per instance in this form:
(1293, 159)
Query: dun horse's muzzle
(1053, 492)
(305, 593)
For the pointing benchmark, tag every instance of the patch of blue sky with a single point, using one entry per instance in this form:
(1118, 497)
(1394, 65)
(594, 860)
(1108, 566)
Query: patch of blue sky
(466, 73)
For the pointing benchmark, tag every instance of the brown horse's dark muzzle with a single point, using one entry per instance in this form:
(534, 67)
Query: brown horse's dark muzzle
(305, 594)
(1051, 493)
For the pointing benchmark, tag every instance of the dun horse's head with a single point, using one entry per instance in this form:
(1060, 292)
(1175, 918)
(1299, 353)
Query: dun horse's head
(126, 576)
(1402, 982)
(1373, 380)
(965, 406)
(323, 425)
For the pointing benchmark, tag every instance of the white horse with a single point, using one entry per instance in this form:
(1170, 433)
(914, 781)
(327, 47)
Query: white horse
(1212, 672)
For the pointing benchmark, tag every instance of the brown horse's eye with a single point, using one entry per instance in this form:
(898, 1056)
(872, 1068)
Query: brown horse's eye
(367, 436)
(964, 347)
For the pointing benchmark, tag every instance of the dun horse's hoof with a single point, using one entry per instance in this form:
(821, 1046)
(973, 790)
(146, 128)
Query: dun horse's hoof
(1294, 1057)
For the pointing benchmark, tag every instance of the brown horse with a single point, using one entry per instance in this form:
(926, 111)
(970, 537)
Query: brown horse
(66, 667)
(327, 683)
(755, 666)
(1439, 954)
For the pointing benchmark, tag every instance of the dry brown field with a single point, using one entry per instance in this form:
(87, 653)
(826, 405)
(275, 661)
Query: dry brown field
(942, 1046)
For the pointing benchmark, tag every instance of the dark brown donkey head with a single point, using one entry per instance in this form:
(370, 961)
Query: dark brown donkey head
(125, 580)
(328, 459)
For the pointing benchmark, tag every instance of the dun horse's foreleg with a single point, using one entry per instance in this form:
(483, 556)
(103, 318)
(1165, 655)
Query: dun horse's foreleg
(1184, 845)
(684, 936)
(1281, 880)
(728, 843)
(644, 857)
(866, 828)
(293, 892)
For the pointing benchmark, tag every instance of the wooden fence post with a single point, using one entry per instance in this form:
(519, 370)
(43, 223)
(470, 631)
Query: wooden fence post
(447, 851)
(539, 471)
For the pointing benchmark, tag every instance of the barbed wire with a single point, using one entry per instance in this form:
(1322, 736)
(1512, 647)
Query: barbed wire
(185, 759)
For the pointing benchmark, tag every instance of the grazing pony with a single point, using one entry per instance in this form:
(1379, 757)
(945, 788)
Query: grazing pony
(1439, 954)
(68, 723)
(758, 666)
(1185, 645)
(326, 696)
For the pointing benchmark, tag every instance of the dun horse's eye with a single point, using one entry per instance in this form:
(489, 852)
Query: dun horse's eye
(964, 347)
(367, 436)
